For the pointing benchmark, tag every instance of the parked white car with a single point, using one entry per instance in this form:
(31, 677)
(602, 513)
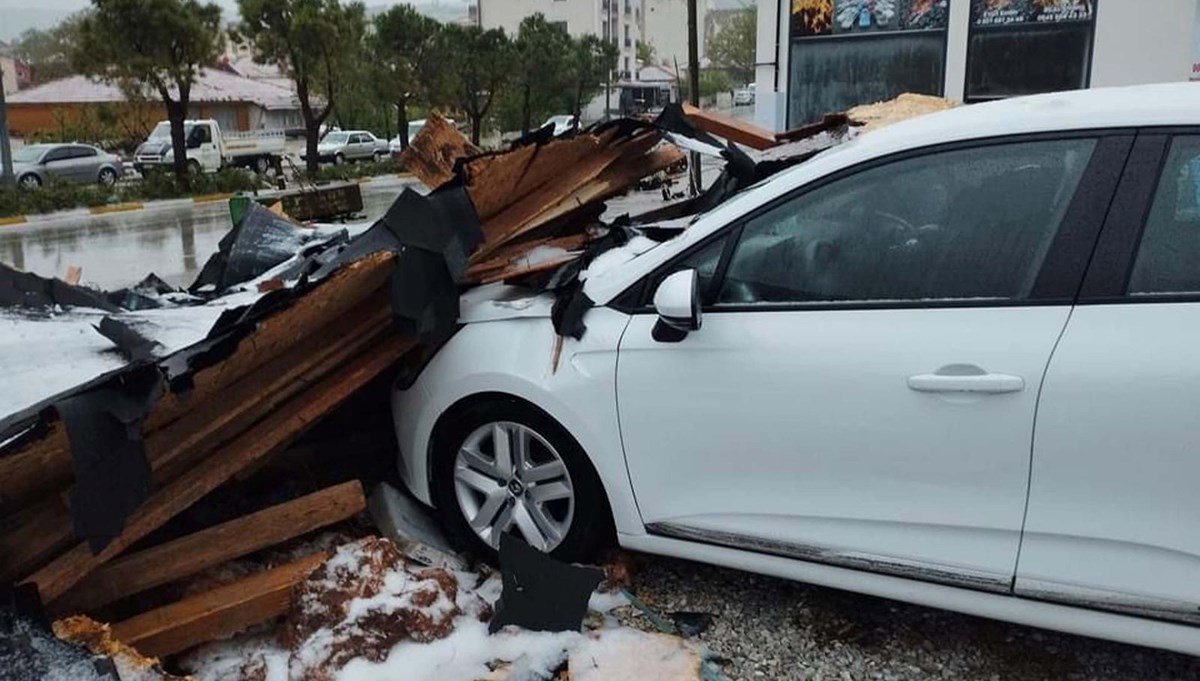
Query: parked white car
(744, 96)
(561, 124)
(210, 148)
(954, 362)
(414, 127)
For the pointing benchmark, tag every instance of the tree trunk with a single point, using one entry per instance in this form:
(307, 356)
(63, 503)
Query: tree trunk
(312, 129)
(476, 124)
(176, 115)
(525, 113)
(402, 121)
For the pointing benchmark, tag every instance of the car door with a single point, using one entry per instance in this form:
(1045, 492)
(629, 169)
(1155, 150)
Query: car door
(862, 390)
(359, 146)
(204, 148)
(58, 165)
(85, 164)
(1113, 507)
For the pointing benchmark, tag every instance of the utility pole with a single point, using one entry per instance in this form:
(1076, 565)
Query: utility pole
(6, 165)
(694, 88)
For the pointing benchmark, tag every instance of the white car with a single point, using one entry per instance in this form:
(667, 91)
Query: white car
(744, 96)
(950, 362)
(561, 124)
(414, 127)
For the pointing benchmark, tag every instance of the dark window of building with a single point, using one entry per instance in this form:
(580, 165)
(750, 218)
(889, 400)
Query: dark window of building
(1022, 47)
(850, 52)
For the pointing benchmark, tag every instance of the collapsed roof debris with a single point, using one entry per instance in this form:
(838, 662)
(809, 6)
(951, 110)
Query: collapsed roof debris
(182, 394)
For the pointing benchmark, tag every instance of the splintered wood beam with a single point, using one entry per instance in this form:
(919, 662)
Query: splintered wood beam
(731, 128)
(271, 434)
(31, 541)
(208, 548)
(44, 466)
(220, 613)
(431, 155)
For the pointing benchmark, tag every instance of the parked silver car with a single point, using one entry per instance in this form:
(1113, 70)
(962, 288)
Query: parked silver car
(35, 164)
(341, 146)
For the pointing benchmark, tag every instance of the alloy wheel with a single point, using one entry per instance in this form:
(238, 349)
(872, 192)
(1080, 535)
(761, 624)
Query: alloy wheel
(30, 182)
(508, 478)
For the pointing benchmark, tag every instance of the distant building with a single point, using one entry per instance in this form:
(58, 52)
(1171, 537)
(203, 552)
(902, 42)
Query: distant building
(664, 27)
(16, 74)
(618, 21)
(235, 102)
(818, 56)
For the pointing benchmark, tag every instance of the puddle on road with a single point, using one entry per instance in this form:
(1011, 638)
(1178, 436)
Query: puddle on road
(118, 249)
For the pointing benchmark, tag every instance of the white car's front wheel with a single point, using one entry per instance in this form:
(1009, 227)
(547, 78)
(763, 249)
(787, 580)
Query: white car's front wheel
(505, 467)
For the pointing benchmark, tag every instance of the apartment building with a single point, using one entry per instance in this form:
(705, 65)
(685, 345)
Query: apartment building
(615, 20)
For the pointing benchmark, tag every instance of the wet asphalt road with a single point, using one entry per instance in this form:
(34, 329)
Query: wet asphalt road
(119, 249)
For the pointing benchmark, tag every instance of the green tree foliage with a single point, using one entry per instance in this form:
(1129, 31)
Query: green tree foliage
(732, 47)
(159, 45)
(477, 66)
(591, 60)
(404, 44)
(48, 52)
(645, 52)
(315, 42)
(542, 68)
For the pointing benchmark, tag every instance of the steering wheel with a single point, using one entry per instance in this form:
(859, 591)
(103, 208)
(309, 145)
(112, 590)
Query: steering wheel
(905, 228)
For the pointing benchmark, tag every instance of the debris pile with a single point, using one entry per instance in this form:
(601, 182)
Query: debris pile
(183, 395)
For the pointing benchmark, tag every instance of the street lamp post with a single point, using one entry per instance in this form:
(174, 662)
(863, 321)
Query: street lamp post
(694, 88)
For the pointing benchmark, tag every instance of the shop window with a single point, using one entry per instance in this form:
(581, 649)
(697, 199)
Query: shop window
(1023, 47)
(850, 52)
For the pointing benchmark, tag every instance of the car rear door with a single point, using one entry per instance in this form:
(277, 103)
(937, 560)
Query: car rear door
(85, 164)
(1113, 505)
(863, 389)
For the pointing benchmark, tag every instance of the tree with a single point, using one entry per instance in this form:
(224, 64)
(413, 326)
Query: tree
(477, 65)
(48, 52)
(159, 45)
(645, 53)
(403, 42)
(592, 59)
(541, 52)
(732, 47)
(315, 43)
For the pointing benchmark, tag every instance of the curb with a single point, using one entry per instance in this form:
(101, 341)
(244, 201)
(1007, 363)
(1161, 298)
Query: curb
(212, 198)
(13, 220)
(115, 208)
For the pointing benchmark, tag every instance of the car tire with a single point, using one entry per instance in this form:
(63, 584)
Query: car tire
(339, 160)
(193, 168)
(582, 522)
(29, 181)
(377, 157)
(261, 165)
(108, 177)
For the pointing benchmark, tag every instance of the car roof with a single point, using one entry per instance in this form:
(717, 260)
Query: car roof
(1174, 104)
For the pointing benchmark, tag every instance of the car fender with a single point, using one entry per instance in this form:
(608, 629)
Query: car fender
(575, 385)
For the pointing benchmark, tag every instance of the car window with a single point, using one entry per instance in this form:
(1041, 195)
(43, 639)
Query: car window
(954, 225)
(705, 261)
(82, 152)
(357, 139)
(57, 154)
(1168, 259)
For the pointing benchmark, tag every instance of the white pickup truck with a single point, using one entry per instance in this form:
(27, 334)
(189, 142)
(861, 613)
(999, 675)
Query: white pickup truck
(209, 148)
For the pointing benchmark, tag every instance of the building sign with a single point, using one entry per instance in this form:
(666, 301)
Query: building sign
(841, 17)
(1007, 12)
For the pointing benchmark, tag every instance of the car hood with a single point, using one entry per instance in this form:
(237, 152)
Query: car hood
(494, 302)
(153, 148)
(18, 167)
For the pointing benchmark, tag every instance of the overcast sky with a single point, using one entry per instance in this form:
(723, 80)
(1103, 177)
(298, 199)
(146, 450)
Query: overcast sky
(18, 15)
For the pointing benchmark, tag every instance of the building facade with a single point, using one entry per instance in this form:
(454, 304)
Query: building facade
(819, 56)
(664, 27)
(615, 20)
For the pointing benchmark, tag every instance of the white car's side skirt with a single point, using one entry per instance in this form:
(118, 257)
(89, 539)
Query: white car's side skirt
(1157, 634)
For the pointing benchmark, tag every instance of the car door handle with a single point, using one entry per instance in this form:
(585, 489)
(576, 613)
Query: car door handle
(965, 378)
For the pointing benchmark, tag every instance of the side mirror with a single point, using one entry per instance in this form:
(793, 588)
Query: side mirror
(677, 302)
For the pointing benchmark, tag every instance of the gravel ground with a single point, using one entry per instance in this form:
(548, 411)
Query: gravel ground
(768, 628)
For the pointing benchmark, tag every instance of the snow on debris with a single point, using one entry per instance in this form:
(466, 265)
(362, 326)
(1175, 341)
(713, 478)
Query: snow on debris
(369, 614)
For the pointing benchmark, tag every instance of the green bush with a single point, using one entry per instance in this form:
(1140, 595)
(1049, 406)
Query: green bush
(352, 171)
(59, 195)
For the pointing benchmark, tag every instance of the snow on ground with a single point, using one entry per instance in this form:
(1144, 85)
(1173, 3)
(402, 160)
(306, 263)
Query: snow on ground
(369, 614)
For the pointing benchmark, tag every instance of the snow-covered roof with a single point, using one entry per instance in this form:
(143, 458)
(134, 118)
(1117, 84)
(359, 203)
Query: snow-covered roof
(213, 85)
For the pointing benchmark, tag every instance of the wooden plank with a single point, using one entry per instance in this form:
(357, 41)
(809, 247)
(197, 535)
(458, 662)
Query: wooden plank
(730, 128)
(34, 540)
(216, 614)
(211, 547)
(270, 435)
(431, 155)
(44, 466)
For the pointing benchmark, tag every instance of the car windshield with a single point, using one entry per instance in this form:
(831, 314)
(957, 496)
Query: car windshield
(162, 132)
(29, 154)
(336, 138)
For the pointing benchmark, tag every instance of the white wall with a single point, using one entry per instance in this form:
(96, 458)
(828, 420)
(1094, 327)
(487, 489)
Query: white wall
(1143, 41)
(582, 17)
(957, 27)
(10, 75)
(770, 103)
(665, 23)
